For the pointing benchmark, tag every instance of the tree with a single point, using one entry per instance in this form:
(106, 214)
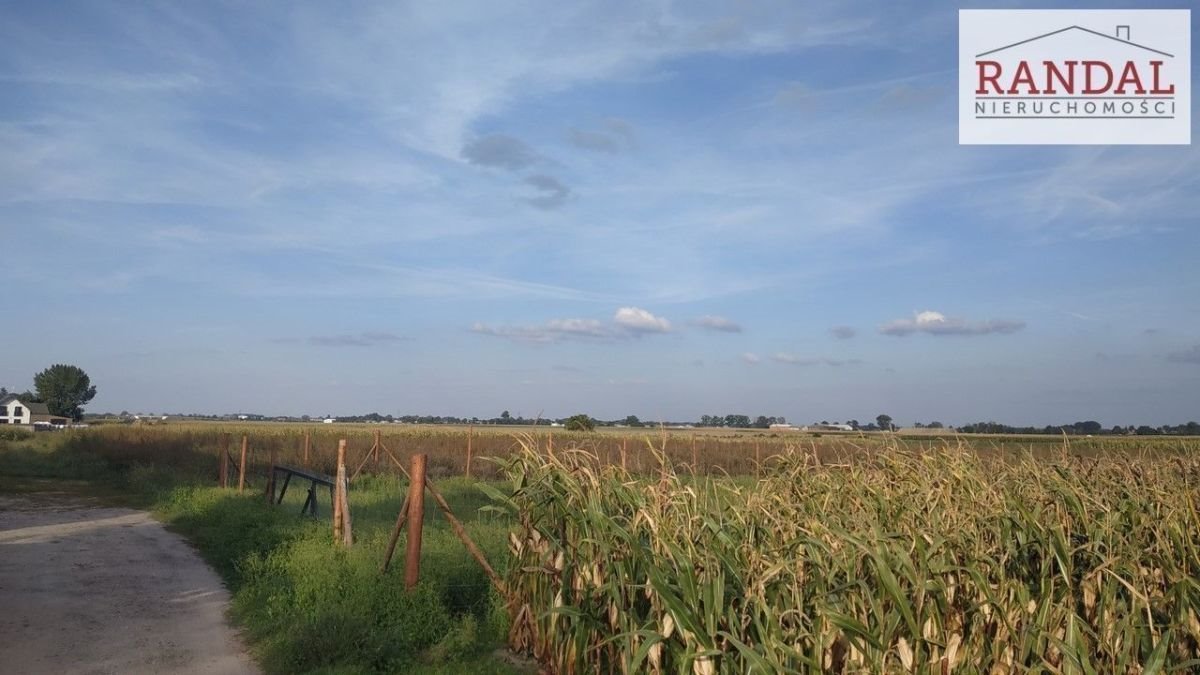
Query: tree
(738, 421)
(885, 422)
(580, 422)
(633, 421)
(65, 389)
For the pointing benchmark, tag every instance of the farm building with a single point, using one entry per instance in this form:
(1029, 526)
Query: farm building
(15, 411)
(828, 427)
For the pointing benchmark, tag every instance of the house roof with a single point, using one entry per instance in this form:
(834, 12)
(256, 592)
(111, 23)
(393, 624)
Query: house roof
(1080, 28)
(34, 407)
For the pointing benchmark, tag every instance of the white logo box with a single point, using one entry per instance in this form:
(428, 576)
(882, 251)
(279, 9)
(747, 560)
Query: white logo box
(1074, 77)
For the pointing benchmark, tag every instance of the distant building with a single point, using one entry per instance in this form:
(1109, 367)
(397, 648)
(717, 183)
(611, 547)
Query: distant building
(828, 427)
(329, 420)
(15, 411)
(783, 427)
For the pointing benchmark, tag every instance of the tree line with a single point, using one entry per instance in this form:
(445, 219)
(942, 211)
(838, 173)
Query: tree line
(1088, 428)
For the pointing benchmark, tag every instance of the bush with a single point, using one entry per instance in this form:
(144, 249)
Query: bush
(11, 433)
(580, 422)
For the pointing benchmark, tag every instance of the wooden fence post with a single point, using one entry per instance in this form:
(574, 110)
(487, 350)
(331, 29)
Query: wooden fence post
(624, 450)
(416, 518)
(376, 449)
(307, 443)
(223, 479)
(757, 461)
(391, 547)
(242, 466)
(347, 523)
(470, 433)
(338, 486)
(461, 533)
(695, 458)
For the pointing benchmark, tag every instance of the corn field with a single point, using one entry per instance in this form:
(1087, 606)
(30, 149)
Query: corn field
(901, 561)
(194, 446)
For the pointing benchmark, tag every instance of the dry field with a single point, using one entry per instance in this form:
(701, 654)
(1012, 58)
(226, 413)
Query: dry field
(194, 445)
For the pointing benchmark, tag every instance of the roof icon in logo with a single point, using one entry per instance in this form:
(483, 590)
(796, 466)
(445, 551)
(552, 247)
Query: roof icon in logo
(1106, 36)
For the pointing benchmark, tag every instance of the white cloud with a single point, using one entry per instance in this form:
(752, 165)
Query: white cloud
(717, 323)
(628, 322)
(751, 358)
(936, 323)
(638, 321)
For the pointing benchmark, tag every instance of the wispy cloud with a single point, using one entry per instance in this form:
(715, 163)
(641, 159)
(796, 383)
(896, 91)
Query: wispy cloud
(1189, 355)
(719, 324)
(796, 360)
(936, 323)
(368, 339)
(751, 358)
(614, 135)
(552, 193)
(843, 332)
(499, 151)
(553, 330)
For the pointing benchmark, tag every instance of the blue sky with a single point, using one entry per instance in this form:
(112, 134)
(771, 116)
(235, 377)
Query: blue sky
(652, 208)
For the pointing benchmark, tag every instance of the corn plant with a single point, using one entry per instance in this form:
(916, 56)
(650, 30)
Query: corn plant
(896, 561)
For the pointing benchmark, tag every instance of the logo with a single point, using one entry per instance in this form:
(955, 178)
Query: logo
(1074, 77)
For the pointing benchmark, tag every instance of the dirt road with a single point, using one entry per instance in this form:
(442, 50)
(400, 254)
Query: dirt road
(91, 589)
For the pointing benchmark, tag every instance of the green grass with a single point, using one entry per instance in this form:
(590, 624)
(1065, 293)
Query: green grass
(304, 604)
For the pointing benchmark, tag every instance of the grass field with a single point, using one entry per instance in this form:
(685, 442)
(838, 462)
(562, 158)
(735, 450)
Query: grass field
(836, 554)
(304, 604)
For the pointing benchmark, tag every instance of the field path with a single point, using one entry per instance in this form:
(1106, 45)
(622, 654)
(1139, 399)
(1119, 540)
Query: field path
(87, 588)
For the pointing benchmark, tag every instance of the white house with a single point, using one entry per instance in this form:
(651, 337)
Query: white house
(15, 411)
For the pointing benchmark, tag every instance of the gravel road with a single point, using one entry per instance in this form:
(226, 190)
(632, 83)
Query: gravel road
(86, 588)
